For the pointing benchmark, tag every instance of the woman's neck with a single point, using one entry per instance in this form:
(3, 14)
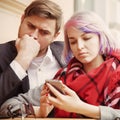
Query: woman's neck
(93, 64)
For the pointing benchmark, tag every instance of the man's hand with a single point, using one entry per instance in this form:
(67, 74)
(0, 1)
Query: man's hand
(28, 48)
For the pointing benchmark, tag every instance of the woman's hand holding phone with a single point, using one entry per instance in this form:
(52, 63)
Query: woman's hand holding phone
(57, 84)
(64, 101)
(45, 106)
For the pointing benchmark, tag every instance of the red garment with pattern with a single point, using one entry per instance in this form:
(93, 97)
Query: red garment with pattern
(101, 86)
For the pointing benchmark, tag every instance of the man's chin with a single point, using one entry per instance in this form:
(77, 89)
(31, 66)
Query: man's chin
(42, 52)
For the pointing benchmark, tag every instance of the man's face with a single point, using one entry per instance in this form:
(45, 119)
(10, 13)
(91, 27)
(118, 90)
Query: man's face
(41, 29)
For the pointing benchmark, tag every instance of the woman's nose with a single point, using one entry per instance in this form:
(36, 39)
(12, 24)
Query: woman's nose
(80, 44)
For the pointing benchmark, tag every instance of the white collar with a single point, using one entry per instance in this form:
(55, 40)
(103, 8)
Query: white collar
(49, 55)
(46, 58)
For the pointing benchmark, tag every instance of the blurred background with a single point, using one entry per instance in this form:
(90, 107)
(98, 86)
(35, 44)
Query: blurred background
(12, 10)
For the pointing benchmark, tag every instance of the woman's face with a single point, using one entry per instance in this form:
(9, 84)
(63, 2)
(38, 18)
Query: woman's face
(84, 46)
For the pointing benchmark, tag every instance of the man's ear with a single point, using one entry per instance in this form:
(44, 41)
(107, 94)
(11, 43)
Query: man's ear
(56, 34)
(22, 17)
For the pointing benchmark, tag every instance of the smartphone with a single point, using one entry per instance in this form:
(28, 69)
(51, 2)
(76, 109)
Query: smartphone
(57, 84)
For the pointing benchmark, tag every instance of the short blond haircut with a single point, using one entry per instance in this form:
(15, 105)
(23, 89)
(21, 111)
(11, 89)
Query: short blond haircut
(45, 9)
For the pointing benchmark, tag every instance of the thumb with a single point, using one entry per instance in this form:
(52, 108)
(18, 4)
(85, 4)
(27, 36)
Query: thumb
(17, 43)
(67, 90)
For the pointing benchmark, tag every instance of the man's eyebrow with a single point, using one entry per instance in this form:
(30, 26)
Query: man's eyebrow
(40, 29)
(31, 24)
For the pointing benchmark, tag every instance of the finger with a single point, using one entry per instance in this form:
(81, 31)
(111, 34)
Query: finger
(42, 98)
(25, 36)
(53, 100)
(44, 91)
(44, 87)
(17, 41)
(68, 91)
(54, 91)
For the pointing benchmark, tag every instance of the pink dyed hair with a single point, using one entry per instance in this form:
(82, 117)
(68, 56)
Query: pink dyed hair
(89, 22)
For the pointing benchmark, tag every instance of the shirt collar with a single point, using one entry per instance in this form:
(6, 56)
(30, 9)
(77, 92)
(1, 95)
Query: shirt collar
(46, 58)
(49, 55)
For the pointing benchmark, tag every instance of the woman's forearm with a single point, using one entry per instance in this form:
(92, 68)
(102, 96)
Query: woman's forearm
(89, 110)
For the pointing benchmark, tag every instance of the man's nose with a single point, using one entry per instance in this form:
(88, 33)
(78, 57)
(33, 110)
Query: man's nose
(34, 34)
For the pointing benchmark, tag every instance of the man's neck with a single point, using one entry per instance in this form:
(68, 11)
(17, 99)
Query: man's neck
(42, 52)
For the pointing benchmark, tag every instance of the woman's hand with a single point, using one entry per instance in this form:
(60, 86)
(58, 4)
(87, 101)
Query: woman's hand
(68, 102)
(45, 105)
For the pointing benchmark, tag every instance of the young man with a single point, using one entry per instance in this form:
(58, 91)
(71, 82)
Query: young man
(33, 57)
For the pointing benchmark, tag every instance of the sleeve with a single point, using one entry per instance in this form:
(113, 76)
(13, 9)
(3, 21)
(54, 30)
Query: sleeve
(112, 91)
(108, 113)
(13, 105)
(9, 82)
(20, 72)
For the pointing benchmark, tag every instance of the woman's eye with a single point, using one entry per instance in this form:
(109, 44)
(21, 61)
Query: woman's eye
(86, 38)
(73, 42)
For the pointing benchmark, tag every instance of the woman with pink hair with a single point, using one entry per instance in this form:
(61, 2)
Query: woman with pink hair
(92, 75)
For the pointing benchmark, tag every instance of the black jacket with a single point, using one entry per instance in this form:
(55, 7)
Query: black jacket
(10, 84)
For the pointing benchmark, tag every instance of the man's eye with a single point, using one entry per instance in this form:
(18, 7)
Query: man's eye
(31, 26)
(44, 32)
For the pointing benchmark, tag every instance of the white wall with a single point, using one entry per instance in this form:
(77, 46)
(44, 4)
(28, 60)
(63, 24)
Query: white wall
(107, 9)
(10, 20)
(9, 26)
(68, 9)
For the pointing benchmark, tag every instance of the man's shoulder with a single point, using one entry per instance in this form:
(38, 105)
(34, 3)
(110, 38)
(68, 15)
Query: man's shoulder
(57, 50)
(57, 47)
(9, 43)
(57, 44)
(7, 47)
